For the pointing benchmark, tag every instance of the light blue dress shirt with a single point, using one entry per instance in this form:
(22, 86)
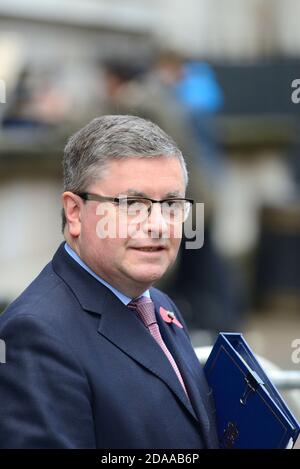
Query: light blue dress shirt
(125, 299)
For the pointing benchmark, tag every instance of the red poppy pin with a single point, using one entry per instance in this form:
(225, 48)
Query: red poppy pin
(169, 316)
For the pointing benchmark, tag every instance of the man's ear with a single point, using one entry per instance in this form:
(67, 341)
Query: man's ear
(72, 204)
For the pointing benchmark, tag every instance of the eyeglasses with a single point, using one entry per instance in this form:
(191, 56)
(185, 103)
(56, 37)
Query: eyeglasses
(174, 210)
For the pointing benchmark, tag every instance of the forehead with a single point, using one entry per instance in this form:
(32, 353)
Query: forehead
(147, 175)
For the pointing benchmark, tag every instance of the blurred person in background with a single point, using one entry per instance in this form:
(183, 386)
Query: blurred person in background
(38, 101)
(96, 356)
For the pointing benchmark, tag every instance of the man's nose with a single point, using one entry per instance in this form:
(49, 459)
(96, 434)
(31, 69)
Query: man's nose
(155, 223)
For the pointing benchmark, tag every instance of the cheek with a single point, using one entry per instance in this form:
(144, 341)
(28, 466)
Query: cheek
(176, 237)
(175, 247)
(97, 228)
(108, 250)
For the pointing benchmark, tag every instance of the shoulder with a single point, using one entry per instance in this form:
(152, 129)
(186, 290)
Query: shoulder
(41, 302)
(40, 322)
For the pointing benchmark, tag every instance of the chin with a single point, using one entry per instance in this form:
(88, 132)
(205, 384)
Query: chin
(149, 277)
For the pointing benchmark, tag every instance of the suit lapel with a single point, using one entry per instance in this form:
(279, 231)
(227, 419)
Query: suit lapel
(123, 328)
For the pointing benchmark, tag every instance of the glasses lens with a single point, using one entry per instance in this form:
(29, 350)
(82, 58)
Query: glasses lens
(176, 211)
(137, 209)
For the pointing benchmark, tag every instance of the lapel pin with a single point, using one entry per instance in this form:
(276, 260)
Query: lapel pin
(169, 317)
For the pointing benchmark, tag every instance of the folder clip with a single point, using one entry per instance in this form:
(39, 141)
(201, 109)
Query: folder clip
(251, 386)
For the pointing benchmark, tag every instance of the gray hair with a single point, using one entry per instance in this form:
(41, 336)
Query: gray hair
(114, 137)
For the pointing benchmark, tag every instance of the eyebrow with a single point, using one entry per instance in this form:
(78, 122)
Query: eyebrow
(134, 192)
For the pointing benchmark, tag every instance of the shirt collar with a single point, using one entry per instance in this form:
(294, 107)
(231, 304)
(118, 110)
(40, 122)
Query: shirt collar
(125, 299)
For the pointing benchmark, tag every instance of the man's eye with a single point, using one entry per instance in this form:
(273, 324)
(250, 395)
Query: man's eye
(131, 202)
(127, 202)
(173, 203)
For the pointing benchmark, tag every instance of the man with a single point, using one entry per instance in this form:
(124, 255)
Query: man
(95, 356)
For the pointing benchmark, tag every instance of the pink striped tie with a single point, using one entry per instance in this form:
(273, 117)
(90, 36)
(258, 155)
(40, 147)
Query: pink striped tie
(145, 308)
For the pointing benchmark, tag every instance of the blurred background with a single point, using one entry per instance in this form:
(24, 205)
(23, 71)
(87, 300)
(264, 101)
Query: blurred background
(218, 76)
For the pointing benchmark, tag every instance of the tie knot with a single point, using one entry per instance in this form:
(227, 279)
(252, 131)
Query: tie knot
(145, 308)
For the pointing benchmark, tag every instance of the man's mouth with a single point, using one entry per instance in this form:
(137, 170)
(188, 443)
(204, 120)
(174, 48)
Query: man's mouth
(149, 248)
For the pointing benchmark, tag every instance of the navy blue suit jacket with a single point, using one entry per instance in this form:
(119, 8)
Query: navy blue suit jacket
(82, 371)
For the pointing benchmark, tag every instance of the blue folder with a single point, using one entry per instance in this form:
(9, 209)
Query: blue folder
(250, 412)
